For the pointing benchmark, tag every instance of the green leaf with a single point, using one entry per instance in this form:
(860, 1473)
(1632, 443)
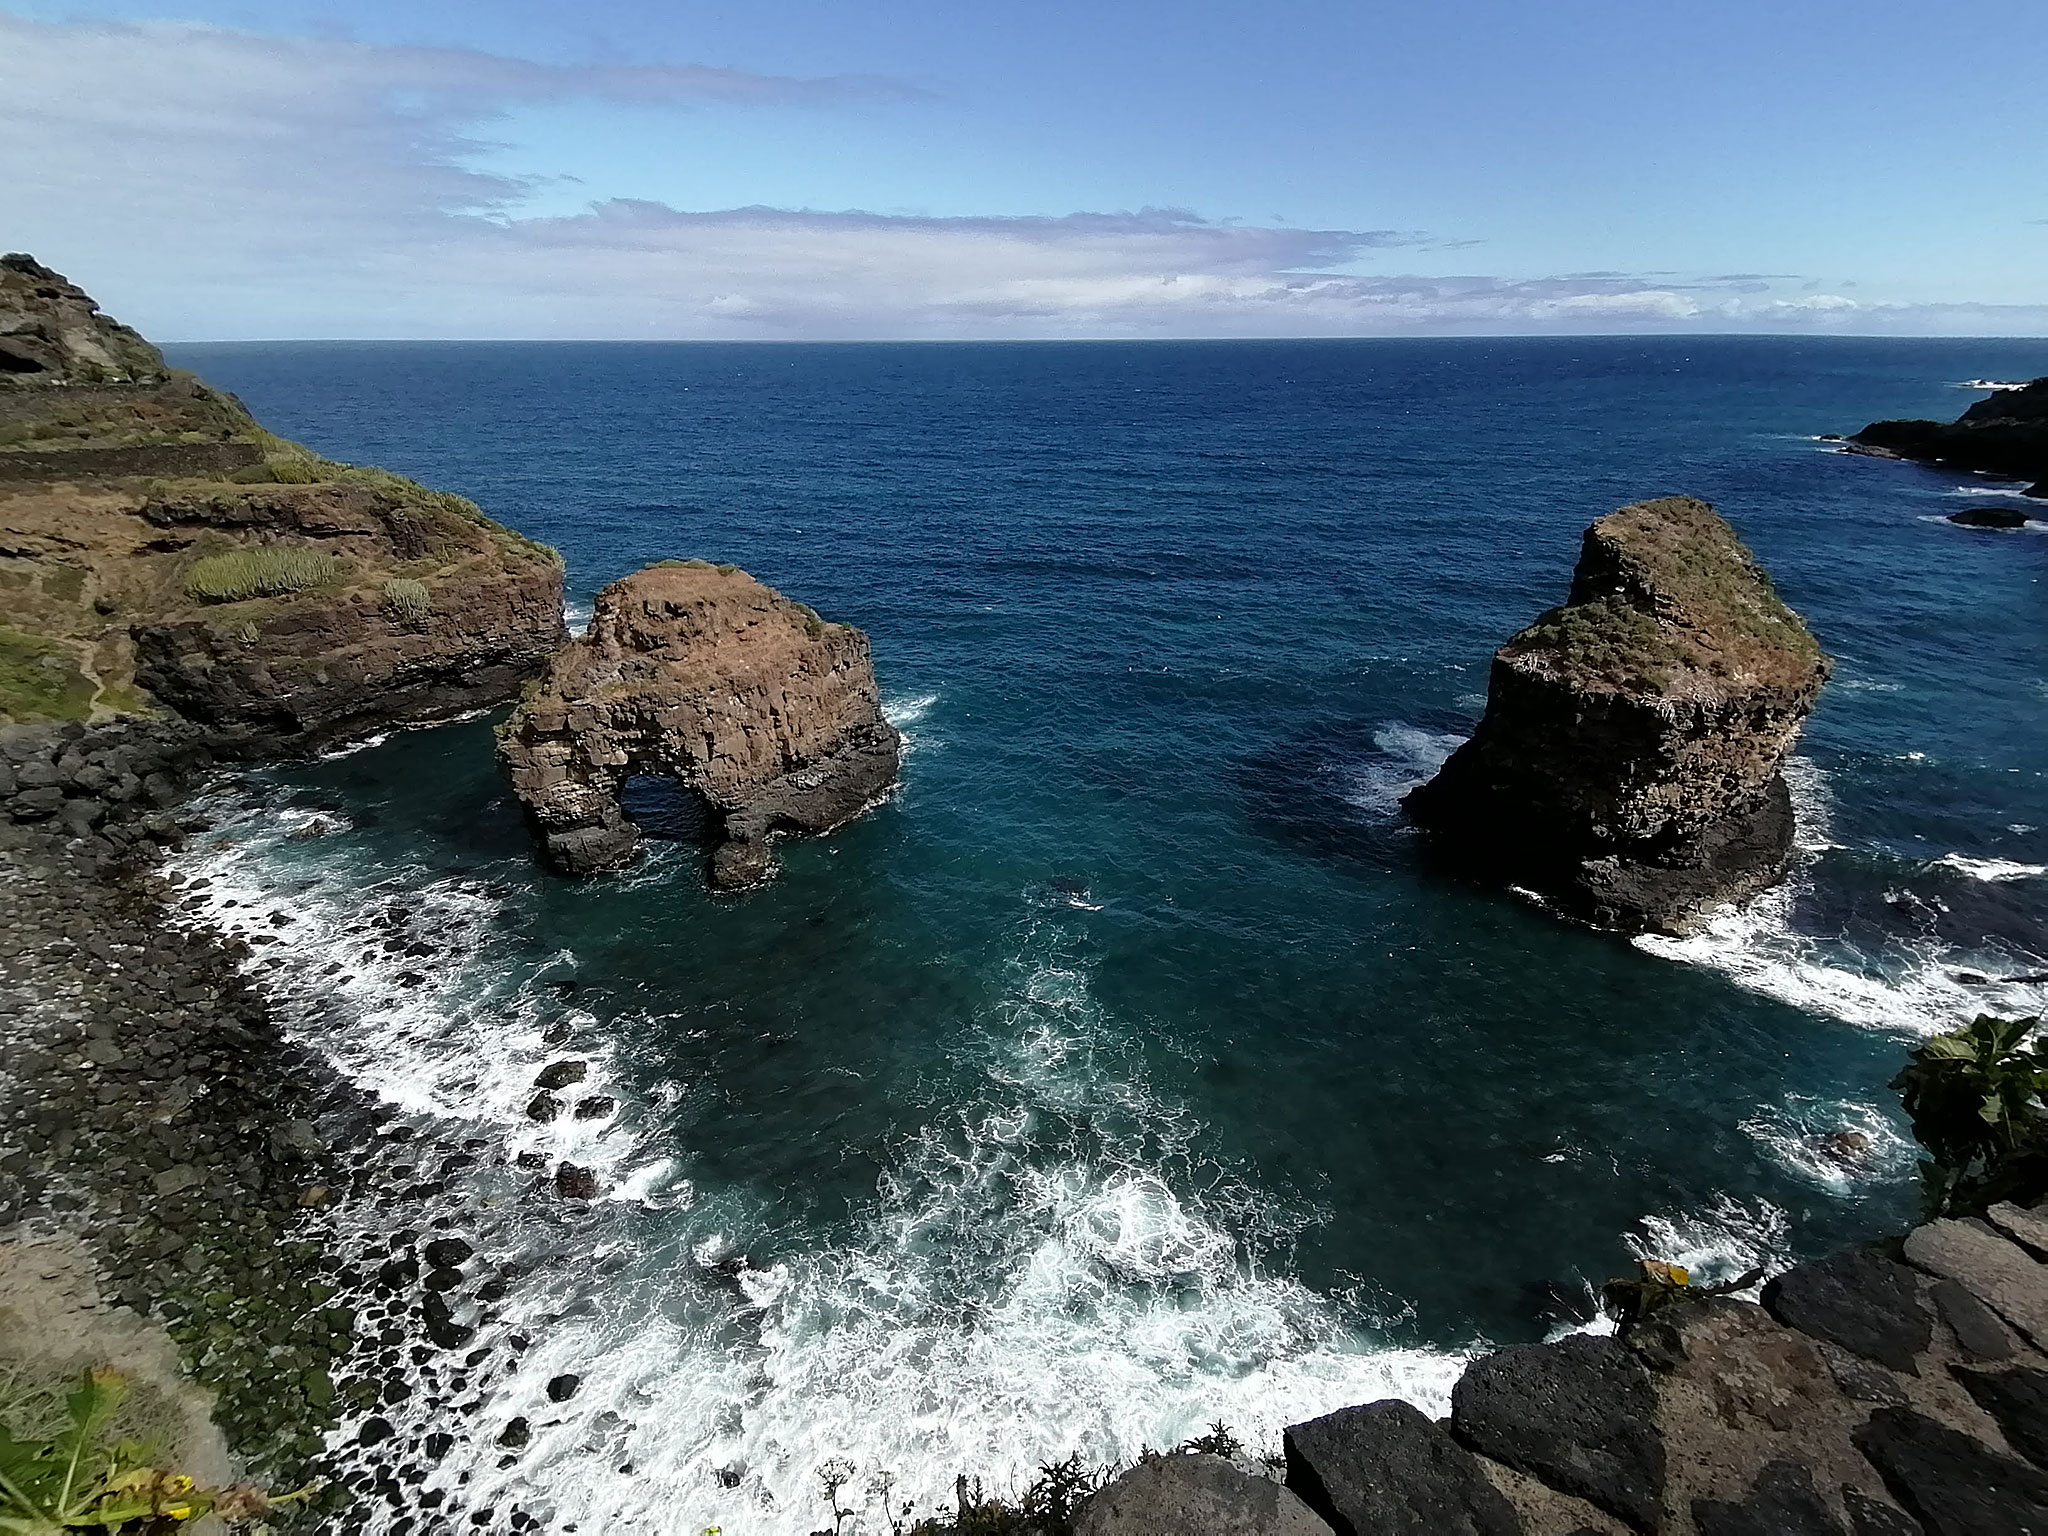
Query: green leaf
(98, 1395)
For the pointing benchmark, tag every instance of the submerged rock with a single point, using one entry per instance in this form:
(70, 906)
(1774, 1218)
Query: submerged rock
(1989, 517)
(1629, 764)
(2004, 435)
(701, 674)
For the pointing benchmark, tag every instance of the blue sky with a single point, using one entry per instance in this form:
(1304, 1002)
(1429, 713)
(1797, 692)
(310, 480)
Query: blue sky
(783, 169)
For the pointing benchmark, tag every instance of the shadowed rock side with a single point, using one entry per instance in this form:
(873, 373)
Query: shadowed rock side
(158, 548)
(2004, 435)
(1628, 766)
(701, 674)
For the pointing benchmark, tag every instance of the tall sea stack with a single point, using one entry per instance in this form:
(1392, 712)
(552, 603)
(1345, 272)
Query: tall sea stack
(700, 674)
(1629, 764)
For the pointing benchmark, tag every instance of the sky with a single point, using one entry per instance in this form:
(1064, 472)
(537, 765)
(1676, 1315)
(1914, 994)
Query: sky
(789, 169)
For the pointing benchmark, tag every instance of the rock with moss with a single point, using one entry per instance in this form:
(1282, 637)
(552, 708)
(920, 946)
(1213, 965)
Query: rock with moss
(1629, 766)
(701, 674)
(159, 550)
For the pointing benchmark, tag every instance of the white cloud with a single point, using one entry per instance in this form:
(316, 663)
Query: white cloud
(205, 182)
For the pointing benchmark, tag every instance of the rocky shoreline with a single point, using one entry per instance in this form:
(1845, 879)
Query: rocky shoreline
(154, 1110)
(149, 1105)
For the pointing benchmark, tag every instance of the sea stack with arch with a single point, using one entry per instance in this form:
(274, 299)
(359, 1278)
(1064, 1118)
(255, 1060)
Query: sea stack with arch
(699, 673)
(1630, 764)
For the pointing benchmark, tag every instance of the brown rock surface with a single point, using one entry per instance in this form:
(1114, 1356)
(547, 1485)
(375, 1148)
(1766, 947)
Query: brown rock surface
(701, 674)
(1629, 763)
(158, 548)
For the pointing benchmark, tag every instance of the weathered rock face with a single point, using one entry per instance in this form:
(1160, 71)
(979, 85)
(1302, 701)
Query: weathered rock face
(51, 332)
(701, 674)
(1629, 762)
(159, 548)
(2004, 435)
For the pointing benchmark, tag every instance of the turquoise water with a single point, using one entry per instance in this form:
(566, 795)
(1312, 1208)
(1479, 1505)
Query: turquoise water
(1127, 1069)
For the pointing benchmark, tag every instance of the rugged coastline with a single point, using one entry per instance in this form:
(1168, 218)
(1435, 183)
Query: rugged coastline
(212, 1156)
(2006, 435)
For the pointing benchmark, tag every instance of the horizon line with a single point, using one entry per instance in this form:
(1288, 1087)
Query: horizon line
(1041, 341)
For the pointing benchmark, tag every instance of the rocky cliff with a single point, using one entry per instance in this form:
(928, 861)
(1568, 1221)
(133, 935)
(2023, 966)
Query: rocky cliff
(160, 550)
(701, 674)
(1628, 765)
(2004, 435)
(1893, 1390)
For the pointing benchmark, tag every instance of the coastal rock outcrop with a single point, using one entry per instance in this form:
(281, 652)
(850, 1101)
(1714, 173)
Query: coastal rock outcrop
(2006, 434)
(160, 551)
(700, 674)
(1628, 766)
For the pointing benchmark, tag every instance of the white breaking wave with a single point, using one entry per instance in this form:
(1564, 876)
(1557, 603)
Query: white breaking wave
(904, 713)
(1991, 869)
(1725, 1239)
(1915, 987)
(1838, 1145)
(1048, 1268)
(1992, 384)
(900, 712)
(1411, 758)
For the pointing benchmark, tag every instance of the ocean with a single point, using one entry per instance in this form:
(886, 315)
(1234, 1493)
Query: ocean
(1128, 1071)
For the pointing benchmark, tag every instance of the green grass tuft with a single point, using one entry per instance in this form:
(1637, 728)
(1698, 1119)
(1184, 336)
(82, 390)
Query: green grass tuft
(405, 601)
(263, 570)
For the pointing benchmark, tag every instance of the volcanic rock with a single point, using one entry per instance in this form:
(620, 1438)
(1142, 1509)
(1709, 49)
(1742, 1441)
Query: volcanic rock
(51, 332)
(1989, 517)
(1859, 1300)
(1629, 764)
(1579, 1415)
(159, 549)
(1183, 1494)
(2004, 435)
(701, 674)
(1387, 1470)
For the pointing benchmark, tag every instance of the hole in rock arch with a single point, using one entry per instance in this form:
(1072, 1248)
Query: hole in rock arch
(668, 810)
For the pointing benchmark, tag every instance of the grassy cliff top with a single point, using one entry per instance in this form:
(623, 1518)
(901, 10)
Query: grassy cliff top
(1667, 600)
(134, 495)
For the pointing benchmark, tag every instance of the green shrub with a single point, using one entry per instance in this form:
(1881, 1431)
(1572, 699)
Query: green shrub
(63, 1476)
(262, 570)
(405, 601)
(1975, 1097)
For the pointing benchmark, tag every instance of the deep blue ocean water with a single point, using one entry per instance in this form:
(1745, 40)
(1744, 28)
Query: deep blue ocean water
(1127, 1070)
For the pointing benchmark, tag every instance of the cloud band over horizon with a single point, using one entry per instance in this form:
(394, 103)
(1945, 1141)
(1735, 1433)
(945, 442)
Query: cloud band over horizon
(215, 184)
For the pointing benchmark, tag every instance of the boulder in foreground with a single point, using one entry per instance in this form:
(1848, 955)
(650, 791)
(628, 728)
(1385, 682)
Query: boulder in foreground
(1629, 764)
(701, 674)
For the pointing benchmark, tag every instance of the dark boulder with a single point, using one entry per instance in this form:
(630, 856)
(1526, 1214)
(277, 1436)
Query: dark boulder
(1954, 1485)
(1387, 1470)
(2018, 1400)
(1579, 1414)
(1859, 1300)
(1783, 1502)
(560, 1074)
(1989, 517)
(574, 1183)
